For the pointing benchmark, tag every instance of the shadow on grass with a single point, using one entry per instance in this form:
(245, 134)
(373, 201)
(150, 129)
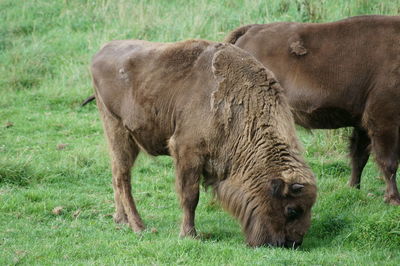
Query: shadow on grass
(324, 231)
(331, 169)
(15, 174)
(218, 236)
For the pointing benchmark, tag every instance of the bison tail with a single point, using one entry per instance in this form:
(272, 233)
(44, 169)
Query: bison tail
(237, 33)
(88, 100)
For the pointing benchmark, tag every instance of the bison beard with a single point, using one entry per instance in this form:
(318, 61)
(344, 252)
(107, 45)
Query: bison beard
(221, 115)
(339, 74)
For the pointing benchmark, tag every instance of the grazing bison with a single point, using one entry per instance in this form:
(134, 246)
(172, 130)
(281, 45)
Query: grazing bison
(340, 74)
(221, 115)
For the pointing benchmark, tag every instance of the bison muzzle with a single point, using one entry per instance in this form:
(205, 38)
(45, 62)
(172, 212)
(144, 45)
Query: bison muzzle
(222, 117)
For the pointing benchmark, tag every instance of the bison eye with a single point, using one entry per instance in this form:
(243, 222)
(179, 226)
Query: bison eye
(293, 213)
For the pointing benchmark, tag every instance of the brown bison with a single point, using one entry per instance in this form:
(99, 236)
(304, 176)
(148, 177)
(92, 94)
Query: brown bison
(222, 117)
(340, 74)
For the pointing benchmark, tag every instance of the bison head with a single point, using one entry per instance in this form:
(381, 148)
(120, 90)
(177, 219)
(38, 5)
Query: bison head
(283, 217)
(272, 214)
(275, 213)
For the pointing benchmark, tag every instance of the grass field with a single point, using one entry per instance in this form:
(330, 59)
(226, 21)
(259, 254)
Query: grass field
(53, 153)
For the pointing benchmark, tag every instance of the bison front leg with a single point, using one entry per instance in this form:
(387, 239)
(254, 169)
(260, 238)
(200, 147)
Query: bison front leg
(188, 170)
(187, 186)
(359, 153)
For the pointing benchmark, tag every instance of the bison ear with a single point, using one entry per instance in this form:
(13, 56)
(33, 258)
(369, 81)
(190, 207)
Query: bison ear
(296, 45)
(277, 186)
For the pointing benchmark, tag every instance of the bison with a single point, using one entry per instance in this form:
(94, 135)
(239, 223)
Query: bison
(222, 117)
(340, 74)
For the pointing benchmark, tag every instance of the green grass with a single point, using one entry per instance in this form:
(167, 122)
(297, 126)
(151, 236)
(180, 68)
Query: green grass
(45, 50)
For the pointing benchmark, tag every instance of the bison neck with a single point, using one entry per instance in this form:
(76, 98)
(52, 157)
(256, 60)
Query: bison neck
(257, 144)
(254, 134)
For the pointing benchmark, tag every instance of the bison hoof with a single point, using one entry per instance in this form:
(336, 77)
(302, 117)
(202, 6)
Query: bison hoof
(188, 233)
(120, 218)
(392, 200)
(354, 185)
(138, 228)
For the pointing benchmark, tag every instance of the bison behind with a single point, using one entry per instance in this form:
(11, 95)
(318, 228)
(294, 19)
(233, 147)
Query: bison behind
(340, 74)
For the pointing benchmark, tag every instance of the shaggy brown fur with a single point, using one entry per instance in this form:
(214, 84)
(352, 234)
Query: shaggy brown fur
(339, 74)
(221, 115)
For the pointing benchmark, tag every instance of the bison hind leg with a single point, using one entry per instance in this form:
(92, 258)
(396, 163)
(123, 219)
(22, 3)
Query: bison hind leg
(123, 151)
(359, 154)
(385, 144)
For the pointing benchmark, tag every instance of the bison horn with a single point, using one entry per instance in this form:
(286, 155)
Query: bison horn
(277, 187)
(295, 188)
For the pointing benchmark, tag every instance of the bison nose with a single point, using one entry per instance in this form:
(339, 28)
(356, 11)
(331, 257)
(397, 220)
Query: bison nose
(292, 244)
(275, 244)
